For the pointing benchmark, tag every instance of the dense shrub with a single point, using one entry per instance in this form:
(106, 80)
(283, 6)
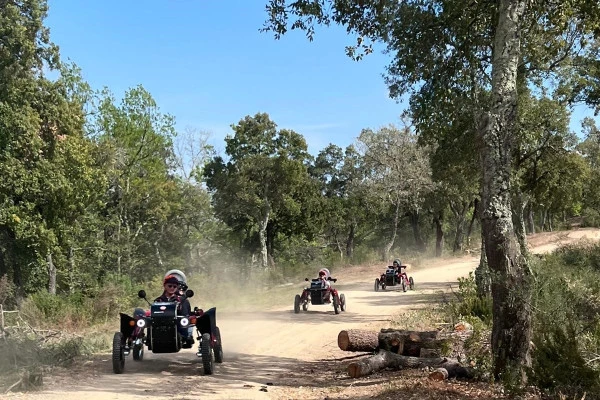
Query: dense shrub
(7, 292)
(566, 326)
(468, 304)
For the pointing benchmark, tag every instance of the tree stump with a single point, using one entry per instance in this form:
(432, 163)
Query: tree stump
(357, 340)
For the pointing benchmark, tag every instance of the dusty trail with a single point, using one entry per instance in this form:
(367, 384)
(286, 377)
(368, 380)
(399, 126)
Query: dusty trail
(273, 349)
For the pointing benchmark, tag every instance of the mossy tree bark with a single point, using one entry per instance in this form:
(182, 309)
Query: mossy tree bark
(511, 286)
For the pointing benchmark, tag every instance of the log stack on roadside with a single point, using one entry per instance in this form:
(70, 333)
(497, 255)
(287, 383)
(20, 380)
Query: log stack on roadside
(398, 349)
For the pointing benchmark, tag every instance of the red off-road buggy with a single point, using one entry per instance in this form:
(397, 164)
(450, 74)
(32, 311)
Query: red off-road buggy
(319, 294)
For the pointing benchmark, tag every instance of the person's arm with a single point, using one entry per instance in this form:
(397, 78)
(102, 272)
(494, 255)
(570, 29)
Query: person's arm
(186, 308)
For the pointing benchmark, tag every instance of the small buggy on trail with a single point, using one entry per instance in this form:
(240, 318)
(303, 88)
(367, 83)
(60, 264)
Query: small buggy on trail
(160, 330)
(393, 277)
(320, 292)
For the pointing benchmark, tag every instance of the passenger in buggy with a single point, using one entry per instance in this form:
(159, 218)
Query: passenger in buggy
(173, 287)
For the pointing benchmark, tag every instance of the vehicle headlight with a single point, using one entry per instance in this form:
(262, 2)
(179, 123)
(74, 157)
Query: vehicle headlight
(141, 323)
(185, 322)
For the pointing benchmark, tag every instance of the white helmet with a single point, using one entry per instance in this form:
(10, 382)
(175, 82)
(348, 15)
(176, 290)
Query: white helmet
(177, 274)
(326, 271)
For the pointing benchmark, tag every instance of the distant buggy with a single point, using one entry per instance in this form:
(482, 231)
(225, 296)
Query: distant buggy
(319, 294)
(393, 277)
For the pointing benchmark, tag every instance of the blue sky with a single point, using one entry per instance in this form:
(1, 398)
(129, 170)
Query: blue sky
(205, 62)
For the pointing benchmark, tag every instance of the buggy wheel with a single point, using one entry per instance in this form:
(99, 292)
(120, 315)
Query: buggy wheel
(342, 302)
(297, 304)
(411, 283)
(207, 354)
(383, 286)
(403, 286)
(377, 284)
(118, 355)
(219, 347)
(138, 352)
(336, 305)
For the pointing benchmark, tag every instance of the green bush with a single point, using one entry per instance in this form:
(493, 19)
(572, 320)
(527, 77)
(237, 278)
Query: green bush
(558, 364)
(7, 293)
(469, 304)
(76, 311)
(566, 321)
(591, 217)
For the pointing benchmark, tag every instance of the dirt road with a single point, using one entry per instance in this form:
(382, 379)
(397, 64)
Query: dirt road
(273, 350)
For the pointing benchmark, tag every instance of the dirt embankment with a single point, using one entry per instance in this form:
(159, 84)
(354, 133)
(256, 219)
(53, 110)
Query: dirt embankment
(276, 354)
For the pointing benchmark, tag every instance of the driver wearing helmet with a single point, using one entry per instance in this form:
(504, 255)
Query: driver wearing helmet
(323, 277)
(325, 284)
(172, 286)
(398, 267)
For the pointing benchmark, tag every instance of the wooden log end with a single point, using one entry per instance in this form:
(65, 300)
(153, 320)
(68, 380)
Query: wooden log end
(414, 337)
(354, 370)
(440, 374)
(343, 340)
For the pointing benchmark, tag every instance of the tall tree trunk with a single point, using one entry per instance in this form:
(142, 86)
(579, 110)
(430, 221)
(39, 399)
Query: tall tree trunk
(71, 260)
(270, 241)
(262, 236)
(530, 220)
(518, 207)
(473, 218)
(390, 243)
(414, 222)
(51, 274)
(544, 214)
(482, 273)
(339, 247)
(459, 211)
(439, 234)
(119, 256)
(511, 283)
(350, 240)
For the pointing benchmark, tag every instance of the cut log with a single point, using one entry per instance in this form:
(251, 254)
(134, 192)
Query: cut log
(430, 353)
(357, 340)
(410, 343)
(413, 349)
(415, 335)
(440, 374)
(386, 359)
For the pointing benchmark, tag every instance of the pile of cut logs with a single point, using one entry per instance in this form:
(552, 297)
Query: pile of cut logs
(397, 349)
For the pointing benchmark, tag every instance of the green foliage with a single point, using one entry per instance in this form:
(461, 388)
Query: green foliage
(468, 307)
(469, 304)
(7, 293)
(264, 188)
(567, 321)
(558, 365)
(76, 311)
